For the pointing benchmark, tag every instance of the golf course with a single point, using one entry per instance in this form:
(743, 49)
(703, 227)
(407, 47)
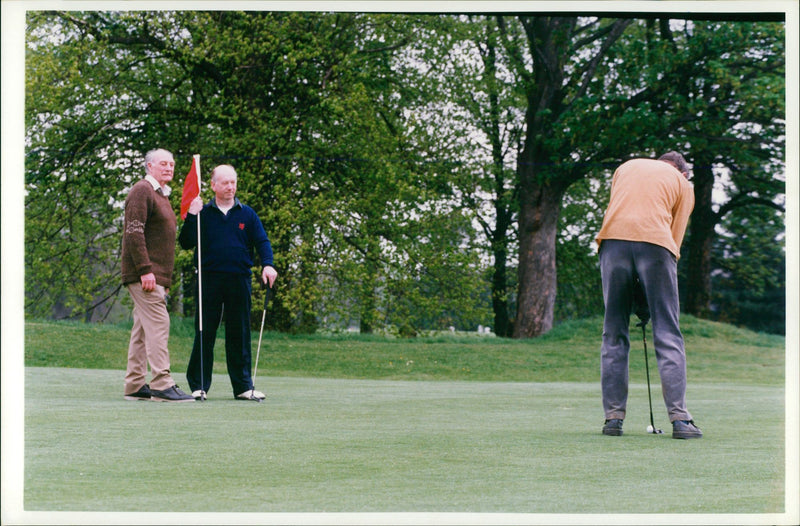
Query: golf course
(464, 427)
(470, 257)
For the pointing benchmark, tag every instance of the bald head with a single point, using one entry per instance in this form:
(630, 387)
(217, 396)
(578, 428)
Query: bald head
(223, 184)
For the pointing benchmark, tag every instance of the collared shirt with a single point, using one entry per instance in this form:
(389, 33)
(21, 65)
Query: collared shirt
(236, 203)
(165, 190)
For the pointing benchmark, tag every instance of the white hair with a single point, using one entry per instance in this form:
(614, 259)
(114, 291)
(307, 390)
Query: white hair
(148, 157)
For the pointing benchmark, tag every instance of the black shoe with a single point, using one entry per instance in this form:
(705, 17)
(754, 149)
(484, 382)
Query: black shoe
(685, 429)
(613, 427)
(173, 394)
(142, 394)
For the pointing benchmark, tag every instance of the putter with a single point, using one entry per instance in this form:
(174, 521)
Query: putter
(642, 311)
(267, 290)
(652, 427)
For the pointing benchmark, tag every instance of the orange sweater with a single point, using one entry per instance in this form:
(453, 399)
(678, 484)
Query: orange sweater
(651, 201)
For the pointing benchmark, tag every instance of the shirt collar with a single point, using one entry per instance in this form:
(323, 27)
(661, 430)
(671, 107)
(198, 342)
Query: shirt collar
(236, 203)
(165, 190)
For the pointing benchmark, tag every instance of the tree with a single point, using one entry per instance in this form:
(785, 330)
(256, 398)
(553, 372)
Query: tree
(496, 115)
(351, 132)
(80, 137)
(579, 285)
(473, 110)
(749, 278)
(733, 117)
(557, 58)
(603, 90)
(309, 107)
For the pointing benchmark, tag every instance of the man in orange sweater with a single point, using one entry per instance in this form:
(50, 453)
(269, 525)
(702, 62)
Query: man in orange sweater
(640, 240)
(148, 258)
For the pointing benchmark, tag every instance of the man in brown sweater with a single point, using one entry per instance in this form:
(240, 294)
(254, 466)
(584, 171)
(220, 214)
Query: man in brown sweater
(640, 240)
(148, 257)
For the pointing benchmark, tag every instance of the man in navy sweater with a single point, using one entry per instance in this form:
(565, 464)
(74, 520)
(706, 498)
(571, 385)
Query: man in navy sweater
(230, 233)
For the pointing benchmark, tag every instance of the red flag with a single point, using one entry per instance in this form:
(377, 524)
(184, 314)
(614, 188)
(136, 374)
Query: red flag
(191, 186)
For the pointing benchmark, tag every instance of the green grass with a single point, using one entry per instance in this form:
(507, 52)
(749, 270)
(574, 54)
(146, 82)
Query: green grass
(570, 352)
(328, 445)
(440, 425)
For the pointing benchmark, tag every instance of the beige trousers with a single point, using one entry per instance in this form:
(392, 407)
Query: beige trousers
(148, 343)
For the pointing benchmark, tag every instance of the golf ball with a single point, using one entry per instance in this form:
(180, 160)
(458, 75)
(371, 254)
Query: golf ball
(650, 429)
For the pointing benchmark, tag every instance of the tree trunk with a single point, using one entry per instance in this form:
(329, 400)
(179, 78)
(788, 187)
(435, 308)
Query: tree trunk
(368, 314)
(541, 187)
(502, 321)
(538, 221)
(701, 235)
(502, 212)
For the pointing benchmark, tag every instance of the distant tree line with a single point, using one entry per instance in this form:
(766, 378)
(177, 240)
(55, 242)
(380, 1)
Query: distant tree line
(414, 172)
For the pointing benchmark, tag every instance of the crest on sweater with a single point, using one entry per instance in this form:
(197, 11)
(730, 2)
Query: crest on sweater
(241, 226)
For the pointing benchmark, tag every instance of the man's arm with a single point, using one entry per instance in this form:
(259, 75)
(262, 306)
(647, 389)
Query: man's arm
(262, 245)
(681, 212)
(137, 211)
(187, 237)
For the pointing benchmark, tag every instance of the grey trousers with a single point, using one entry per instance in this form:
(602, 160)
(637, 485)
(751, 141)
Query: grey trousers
(621, 262)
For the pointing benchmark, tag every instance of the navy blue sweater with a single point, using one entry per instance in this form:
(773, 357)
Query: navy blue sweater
(228, 241)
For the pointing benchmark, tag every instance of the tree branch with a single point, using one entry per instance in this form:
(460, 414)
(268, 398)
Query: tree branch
(614, 31)
(742, 200)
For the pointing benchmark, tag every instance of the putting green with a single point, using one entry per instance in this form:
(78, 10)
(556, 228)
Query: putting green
(318, 445)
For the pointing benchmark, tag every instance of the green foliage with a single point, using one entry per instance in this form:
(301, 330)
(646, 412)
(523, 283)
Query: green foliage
(715, 92)
(750, 286)
(382, 152)
(71, 193)
(579, 285)
(309, 107)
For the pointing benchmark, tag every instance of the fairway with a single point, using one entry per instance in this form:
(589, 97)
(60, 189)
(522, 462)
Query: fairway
(335, 445)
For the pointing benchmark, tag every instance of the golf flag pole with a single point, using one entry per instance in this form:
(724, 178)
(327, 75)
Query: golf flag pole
(191, 190)
(200, 285)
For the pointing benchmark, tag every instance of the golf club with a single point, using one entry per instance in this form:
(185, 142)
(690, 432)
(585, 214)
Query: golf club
(652, 427)
(642, 311)
(267, 291)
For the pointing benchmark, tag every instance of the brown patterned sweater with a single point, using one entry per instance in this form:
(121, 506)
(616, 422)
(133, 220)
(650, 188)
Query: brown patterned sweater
(148, 238)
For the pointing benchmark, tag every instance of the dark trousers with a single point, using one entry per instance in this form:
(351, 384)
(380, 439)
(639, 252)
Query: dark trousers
(229, 293)
(621, 262)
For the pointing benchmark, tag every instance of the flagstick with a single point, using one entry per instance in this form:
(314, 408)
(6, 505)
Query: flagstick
(200, 287)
